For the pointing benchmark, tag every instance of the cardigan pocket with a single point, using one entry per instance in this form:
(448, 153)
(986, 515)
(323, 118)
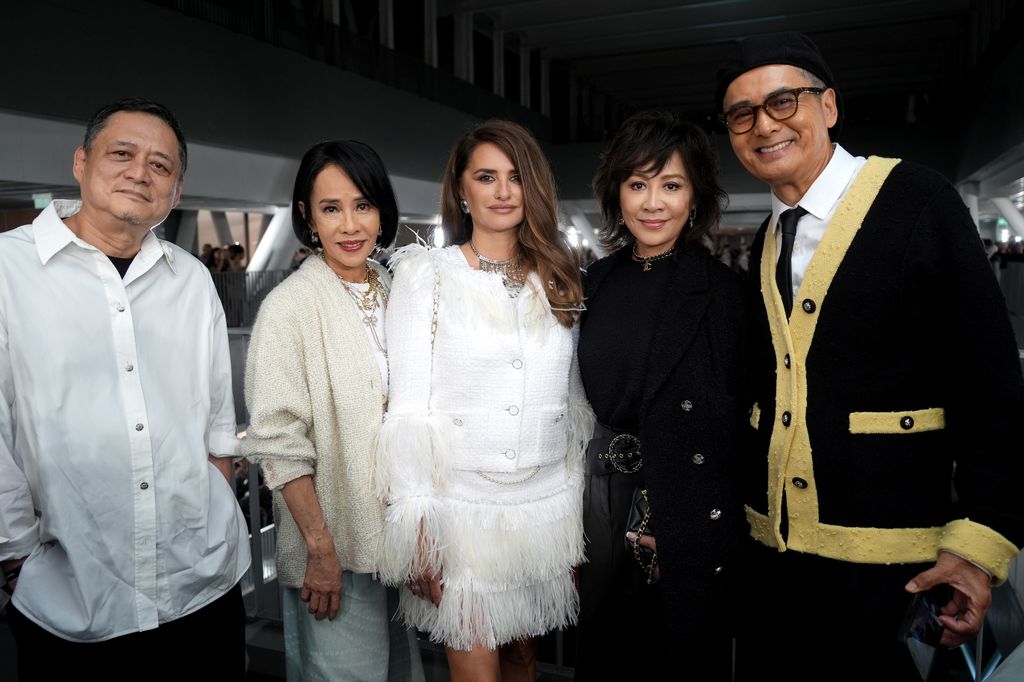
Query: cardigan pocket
(909, 421)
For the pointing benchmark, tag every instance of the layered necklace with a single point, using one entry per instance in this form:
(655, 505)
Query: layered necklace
(366, 302)
(510, 270)
(647, 260)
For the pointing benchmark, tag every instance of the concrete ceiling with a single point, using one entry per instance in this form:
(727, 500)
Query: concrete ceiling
(664, 53)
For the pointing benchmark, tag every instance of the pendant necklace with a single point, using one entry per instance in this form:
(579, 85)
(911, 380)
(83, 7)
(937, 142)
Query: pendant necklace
(510, 270)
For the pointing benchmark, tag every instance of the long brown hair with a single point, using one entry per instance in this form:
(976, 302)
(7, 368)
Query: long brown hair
(541, 247)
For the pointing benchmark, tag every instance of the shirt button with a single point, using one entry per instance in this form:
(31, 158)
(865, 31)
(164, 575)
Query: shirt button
(786, 418)
(517, 363)
(457, 421)
(686, 405)
(513, 410)
(144, 485)
(719, 569)
(139, 427)
(786, 361)
(698, 458)
(119, 307)
(907, 423)
(799, 482)
(510, 454)
(129, 367)
(808, 306)
(715, 514)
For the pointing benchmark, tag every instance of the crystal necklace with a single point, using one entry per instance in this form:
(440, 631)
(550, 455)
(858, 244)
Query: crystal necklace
(510, 270)
(366, 302)
(647, 260)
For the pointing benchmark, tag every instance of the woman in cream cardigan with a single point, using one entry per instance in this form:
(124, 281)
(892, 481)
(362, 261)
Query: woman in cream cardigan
(316, 386)
(480, 456)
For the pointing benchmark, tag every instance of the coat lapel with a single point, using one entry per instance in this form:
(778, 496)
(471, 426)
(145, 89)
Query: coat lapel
(681, 317)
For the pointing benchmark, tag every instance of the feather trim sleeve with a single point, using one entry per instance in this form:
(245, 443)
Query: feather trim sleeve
(413, 447)
(581, 416)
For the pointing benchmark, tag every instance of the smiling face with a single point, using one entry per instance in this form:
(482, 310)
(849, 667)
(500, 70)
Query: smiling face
(345, 222)
(491, 188)
(130, 175)
(657, 207)
(788, 155)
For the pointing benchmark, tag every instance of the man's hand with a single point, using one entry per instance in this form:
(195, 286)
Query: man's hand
(964, 614)
(321, 586)
(8, 566)
(224, 465)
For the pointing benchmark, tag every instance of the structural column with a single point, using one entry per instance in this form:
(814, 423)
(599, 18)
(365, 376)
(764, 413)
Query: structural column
(499, 63)
(430, 32)
(524, 75)
(386, 14)
(464, 46)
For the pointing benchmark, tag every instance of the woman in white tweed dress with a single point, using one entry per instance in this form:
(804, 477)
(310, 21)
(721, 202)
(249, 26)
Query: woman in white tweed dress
(315, 385)
(480, 455)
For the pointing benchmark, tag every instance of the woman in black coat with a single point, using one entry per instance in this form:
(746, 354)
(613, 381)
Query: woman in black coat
(660, 355)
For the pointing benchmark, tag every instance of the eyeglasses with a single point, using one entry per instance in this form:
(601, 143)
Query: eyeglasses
(779, 106)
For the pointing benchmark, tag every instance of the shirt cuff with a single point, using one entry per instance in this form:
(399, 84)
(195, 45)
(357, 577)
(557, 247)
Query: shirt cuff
(970, 561)
(223, 444)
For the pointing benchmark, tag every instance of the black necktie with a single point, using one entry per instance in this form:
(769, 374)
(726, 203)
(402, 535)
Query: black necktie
(784, 268)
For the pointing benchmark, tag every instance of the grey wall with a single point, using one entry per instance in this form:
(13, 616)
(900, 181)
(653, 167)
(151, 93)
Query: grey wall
(64, 58)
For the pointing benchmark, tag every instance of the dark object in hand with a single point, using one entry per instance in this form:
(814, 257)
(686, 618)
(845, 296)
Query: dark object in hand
(922, 619)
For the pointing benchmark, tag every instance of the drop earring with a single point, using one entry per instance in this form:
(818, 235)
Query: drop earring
(693, 214)
(464, 206)
(620, 221)
(314, 237)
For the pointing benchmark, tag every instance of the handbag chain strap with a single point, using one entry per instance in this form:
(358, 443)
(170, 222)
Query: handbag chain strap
(640, 530)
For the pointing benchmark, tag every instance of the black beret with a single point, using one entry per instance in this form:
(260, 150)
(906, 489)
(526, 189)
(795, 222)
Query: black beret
(791, 48)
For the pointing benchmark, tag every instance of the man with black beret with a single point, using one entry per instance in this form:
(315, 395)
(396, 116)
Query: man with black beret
(886, 385)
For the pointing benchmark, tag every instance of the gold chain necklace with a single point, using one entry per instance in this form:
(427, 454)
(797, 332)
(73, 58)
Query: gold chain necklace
(647, 260)
(366, 302)
(510, 270)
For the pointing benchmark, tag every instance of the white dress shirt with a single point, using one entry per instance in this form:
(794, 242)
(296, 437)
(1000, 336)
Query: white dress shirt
(820, 202)
(112, 392)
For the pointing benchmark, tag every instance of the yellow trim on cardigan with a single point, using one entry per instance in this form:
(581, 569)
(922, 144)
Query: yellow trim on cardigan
(755, 415)
(970, 540)
(789, 452)
(980, 544)
(911, 421)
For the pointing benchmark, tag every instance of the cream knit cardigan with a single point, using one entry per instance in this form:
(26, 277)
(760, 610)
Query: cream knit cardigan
(313, 390)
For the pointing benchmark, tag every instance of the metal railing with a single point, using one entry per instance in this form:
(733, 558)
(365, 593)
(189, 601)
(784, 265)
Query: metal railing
(241, 293)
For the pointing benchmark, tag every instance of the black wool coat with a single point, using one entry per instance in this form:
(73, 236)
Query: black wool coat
(692, 418)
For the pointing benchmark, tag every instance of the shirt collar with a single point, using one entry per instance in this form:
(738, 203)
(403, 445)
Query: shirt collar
(51, 235)
(826, 190)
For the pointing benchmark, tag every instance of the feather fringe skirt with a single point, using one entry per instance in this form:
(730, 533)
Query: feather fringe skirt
(506, 544)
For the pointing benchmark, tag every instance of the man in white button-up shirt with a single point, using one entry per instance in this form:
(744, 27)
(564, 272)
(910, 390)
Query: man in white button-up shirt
(120, 538)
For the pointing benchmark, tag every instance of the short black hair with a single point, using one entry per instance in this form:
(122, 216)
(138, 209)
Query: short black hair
(141, 105)
(645, 142)
(366, 170)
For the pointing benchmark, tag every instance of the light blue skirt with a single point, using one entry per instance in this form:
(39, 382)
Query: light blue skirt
(364, 643)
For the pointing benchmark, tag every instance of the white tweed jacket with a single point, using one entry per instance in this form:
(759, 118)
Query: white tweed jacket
(495, 391)
(313, 390)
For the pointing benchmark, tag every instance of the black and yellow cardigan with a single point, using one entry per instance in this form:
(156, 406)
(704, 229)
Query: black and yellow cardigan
(888, 403)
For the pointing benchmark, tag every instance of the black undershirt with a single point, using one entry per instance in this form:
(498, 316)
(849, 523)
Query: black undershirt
(615, 339)
(122, 264)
